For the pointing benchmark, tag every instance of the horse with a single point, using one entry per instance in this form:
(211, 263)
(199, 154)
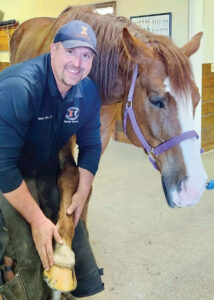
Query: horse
(158, 115)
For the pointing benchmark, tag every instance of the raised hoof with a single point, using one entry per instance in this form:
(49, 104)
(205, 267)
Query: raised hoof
(60, 279)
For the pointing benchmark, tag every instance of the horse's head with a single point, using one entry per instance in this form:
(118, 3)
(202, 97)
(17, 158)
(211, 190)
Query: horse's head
(165, 101)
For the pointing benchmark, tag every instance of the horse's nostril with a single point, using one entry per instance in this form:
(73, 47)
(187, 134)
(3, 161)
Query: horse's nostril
(167, 195)
(181, 184)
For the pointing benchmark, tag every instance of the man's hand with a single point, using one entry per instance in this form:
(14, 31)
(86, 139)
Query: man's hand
(43, 230)
(43, 233)
(76, 207)
(80, 197)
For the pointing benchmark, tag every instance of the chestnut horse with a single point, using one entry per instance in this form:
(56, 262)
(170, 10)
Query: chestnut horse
(164, 104)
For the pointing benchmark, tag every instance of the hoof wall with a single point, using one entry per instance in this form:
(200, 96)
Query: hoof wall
(60, 279)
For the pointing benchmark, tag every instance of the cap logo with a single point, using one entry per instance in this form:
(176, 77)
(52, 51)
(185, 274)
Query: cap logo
(84, 34)
(84, 30)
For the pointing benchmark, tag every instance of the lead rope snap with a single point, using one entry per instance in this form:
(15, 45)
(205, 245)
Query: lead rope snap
(210, 185)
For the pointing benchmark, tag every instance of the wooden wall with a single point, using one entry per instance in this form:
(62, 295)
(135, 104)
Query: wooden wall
(3, 65)
(207, 133)
(5, 35)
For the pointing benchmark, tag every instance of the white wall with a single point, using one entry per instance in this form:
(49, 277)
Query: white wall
(208, 28)
(179, 9)
(195, 26)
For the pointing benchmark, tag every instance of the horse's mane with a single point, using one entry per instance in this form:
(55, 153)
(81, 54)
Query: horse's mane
(108, 29)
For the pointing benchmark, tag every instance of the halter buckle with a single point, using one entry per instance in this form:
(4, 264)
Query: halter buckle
(128, 104)
(153, 157)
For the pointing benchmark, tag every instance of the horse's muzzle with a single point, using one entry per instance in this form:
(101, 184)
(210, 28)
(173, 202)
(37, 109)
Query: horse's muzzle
(184, 193)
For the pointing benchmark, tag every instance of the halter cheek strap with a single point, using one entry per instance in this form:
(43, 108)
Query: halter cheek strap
(152, 152)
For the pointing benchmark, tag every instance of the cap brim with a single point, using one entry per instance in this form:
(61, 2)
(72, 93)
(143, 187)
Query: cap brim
(76, 43)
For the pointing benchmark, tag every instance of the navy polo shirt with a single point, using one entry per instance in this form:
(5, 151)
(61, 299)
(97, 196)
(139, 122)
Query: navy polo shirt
(35, 121)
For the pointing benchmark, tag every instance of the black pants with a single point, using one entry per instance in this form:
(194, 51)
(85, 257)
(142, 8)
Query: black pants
(20, 246)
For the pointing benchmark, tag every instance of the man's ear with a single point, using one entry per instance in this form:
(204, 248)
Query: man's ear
(52, 49)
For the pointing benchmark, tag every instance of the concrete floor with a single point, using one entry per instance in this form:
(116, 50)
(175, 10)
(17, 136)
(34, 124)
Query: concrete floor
(148, 250)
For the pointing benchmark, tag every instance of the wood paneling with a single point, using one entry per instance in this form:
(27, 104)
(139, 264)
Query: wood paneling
(3, 65)
(206, 69)
(207, 133)
(5, 35)
(208, 136)
(4, 41)
(207, 107)
(207, 93)
(208, 121)
(208, 81)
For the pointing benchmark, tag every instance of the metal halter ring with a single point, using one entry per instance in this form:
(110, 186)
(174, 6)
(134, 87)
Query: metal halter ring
(129, 104)
(152, 155)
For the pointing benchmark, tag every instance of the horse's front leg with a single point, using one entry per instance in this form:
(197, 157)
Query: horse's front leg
(61, 276)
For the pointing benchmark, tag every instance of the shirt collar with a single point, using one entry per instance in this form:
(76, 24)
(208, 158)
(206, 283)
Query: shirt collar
(74, 92)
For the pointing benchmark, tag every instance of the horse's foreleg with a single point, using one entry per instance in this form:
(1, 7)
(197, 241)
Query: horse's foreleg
(61, 276)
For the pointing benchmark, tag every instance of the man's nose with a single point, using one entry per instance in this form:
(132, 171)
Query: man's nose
(76, 61)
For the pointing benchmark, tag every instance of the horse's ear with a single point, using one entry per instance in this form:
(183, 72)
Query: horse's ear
(193, 45)
(136, 49)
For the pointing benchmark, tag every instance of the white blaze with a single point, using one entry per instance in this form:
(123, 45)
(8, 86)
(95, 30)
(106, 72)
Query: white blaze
(193, 187)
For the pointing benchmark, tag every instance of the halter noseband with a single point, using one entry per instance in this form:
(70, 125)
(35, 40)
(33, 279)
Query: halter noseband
(152, 152)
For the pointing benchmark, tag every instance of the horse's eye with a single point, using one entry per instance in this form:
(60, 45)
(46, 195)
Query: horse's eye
(157, 102)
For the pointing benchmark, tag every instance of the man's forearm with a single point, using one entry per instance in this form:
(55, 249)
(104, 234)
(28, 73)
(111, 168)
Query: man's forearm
(85, 182)
(80, 197)
(24, 203)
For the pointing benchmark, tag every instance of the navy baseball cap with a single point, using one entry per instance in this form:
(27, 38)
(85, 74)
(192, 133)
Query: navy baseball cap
(76, 34)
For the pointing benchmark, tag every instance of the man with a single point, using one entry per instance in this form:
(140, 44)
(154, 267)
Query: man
(44, 101)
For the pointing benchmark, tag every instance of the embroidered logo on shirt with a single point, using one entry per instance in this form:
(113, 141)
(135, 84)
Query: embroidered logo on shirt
(45, 118)
(72, 114)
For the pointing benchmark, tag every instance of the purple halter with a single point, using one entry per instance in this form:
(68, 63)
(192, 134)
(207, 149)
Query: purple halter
(152, 152)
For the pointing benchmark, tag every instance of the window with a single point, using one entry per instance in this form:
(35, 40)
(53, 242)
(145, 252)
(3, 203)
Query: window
(103, 8)
(106, 8)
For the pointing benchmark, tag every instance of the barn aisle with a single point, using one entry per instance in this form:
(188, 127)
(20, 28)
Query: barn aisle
(149, 251)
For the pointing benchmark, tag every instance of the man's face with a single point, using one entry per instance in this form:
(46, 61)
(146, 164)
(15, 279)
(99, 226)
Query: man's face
(70, 65)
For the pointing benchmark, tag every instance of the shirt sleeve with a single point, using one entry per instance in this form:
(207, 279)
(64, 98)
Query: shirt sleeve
(89, 141)
(15, 115)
